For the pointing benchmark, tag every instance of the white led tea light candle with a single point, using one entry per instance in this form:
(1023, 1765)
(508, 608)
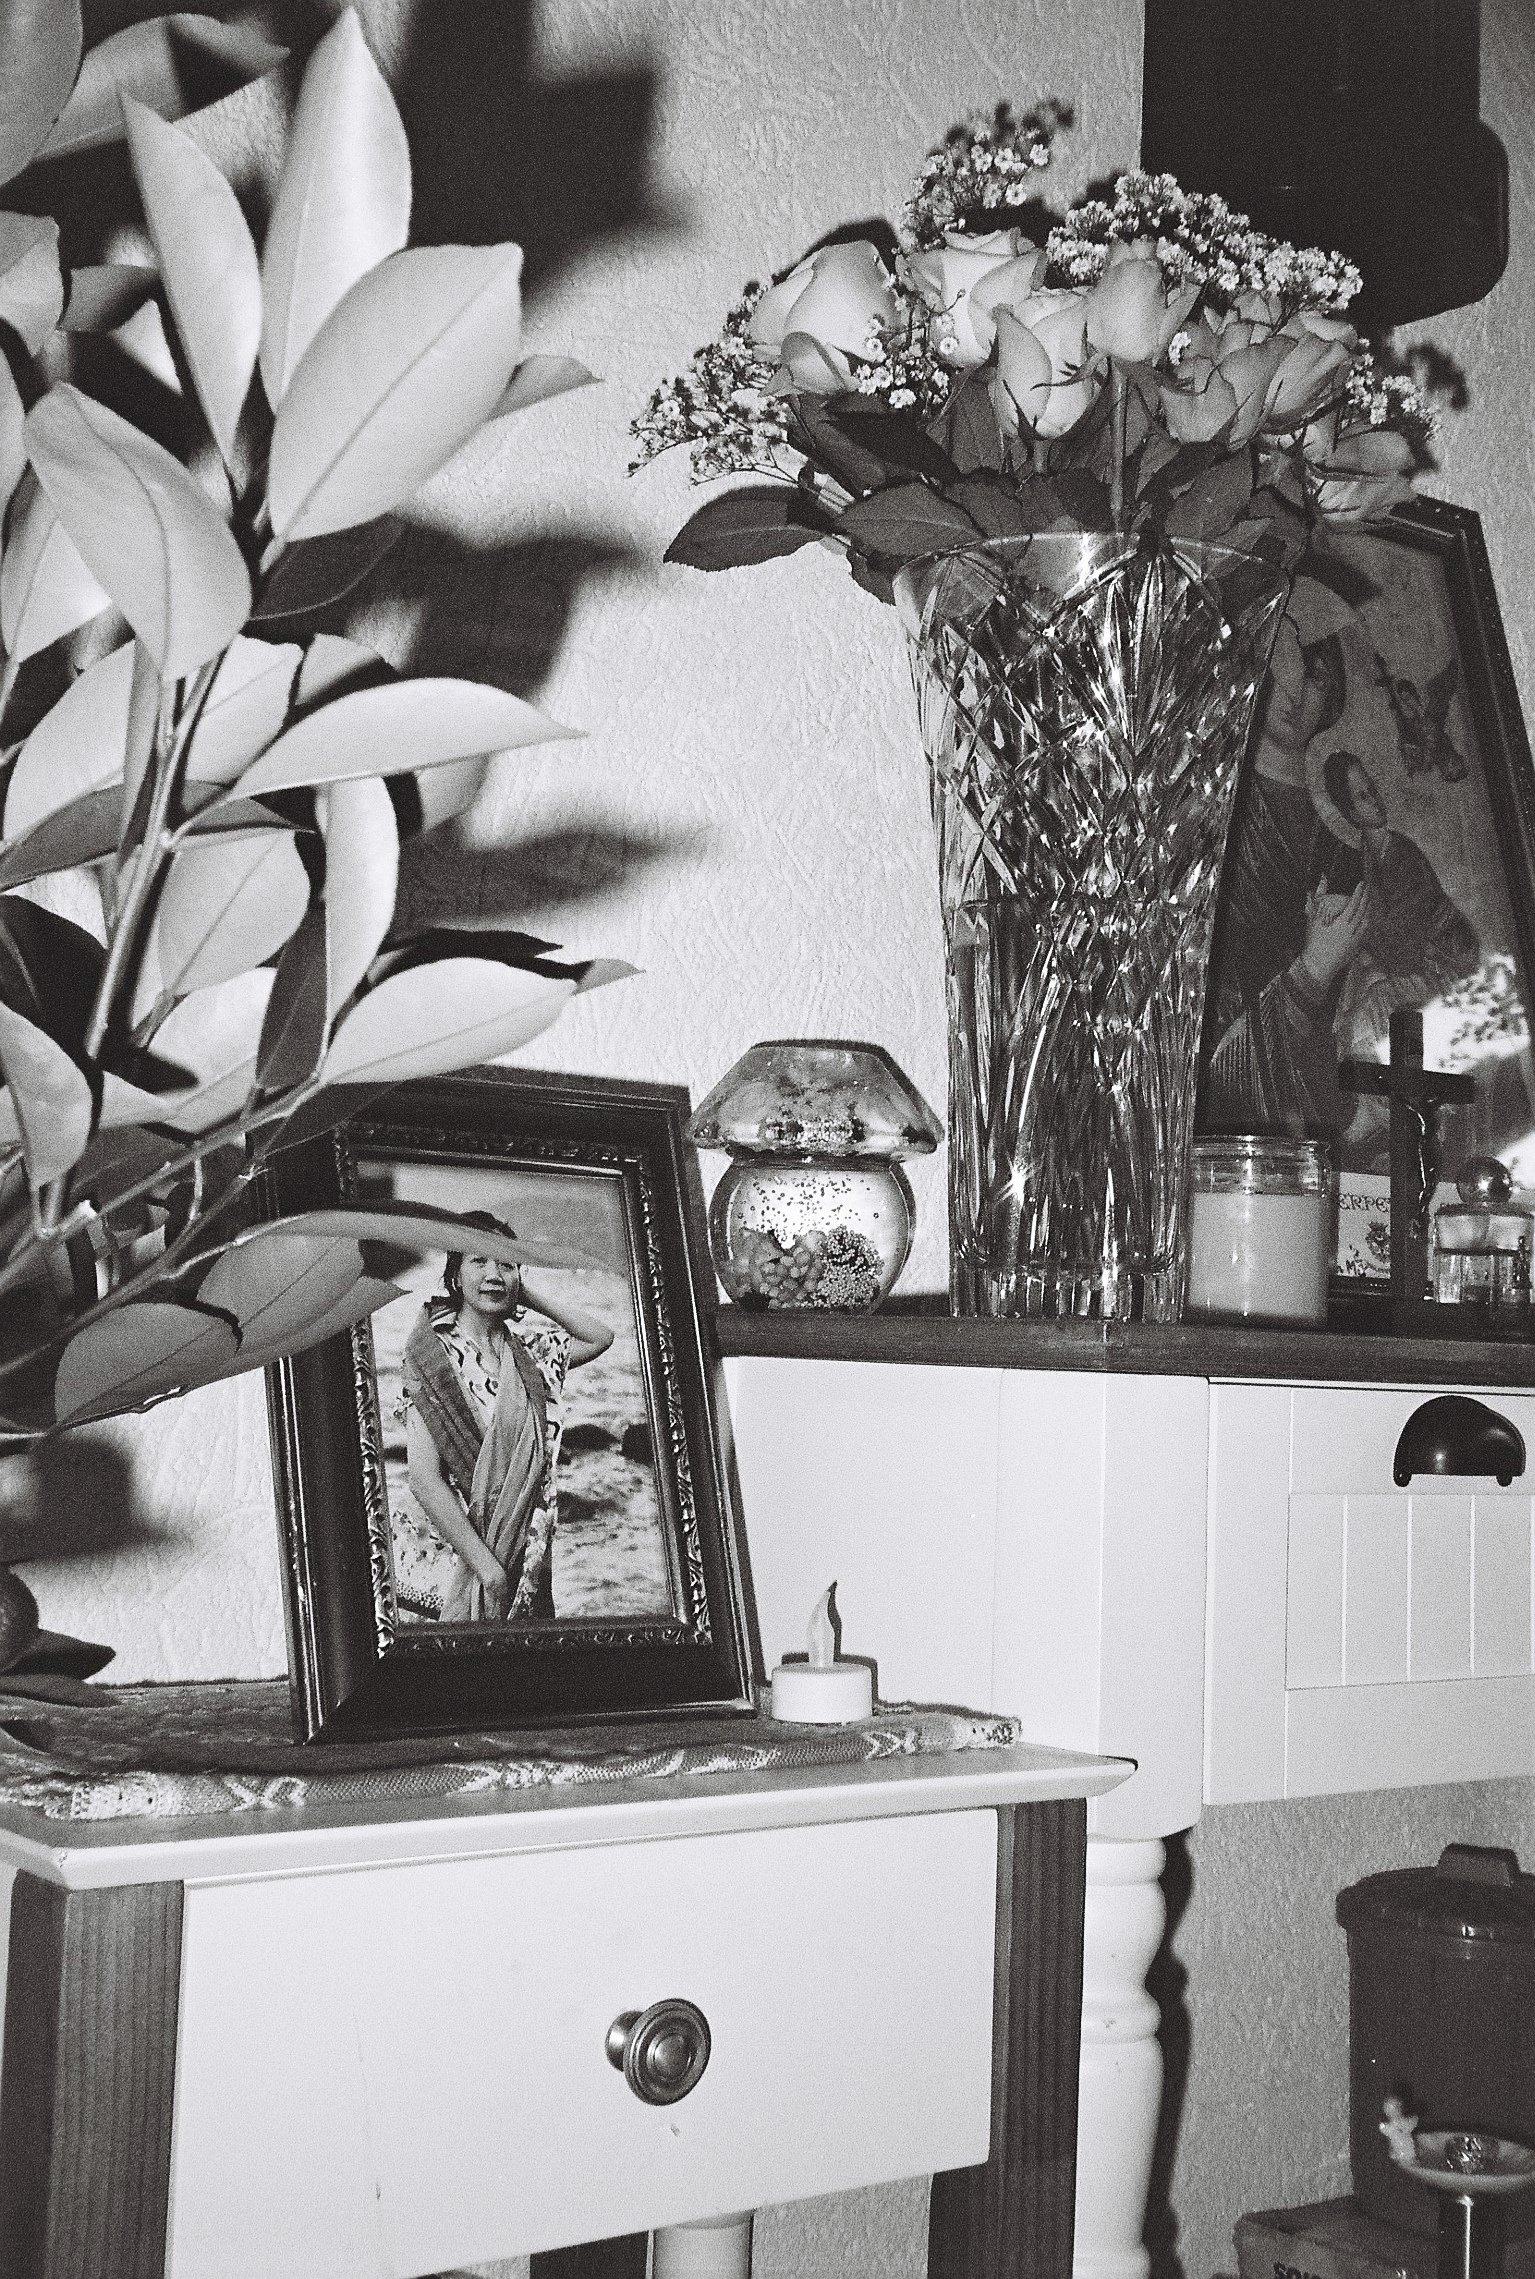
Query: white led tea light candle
(823, 1689)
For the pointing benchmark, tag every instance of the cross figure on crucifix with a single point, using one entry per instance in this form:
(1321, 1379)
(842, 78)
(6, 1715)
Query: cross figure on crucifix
(1416, 1094)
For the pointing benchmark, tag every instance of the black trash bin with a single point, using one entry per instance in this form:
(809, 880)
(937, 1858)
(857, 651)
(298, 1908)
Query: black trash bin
(1442, 2015)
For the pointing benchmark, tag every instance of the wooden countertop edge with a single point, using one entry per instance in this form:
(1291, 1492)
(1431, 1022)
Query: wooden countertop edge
(1238, 1354)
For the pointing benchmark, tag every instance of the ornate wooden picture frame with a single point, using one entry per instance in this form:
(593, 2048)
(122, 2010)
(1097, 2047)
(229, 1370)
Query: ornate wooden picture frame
(1390, 795)
(507, 1498)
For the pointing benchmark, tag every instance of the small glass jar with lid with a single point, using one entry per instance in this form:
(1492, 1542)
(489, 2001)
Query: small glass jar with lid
(1261, 1223)
(814, 1209)
(1482, 1243)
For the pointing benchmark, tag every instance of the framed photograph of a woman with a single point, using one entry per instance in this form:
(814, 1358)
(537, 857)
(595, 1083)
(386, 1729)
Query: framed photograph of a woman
(505, 1499)
(1382, 856)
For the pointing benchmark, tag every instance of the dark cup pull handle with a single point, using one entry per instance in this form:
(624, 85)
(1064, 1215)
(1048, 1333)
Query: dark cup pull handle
(1453, 1435)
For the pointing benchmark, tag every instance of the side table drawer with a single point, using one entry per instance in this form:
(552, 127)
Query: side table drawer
(1361, 1635)
(394, 2071)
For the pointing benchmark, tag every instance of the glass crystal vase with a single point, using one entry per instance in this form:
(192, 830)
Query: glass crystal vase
(1085, 701)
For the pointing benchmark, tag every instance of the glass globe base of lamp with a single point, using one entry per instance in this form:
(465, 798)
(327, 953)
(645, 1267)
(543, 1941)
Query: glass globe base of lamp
(810, 1231)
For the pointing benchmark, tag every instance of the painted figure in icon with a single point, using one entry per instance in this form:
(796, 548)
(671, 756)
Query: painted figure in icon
(484, 1374)
(1286, 941)
(1414, 941)
(1420, 715)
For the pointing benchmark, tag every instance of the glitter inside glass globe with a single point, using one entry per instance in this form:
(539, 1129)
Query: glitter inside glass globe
(814, 1209)
(820, 1232)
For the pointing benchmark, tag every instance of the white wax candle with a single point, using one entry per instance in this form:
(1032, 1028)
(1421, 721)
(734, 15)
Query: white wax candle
(1259, 1257)
(823, 1690)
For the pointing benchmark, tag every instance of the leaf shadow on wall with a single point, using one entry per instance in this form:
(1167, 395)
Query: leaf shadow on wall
(501, 615)
(69, 1498)
(561, 164)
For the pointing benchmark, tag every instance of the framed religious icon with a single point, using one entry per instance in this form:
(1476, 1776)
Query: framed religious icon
(1382, 856)
(506, 1497)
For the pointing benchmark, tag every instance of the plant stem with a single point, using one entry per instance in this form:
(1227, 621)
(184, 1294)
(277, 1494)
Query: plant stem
(1119, 429)
(170, 749)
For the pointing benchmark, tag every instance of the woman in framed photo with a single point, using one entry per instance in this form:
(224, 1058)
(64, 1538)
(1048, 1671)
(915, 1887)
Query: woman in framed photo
(484, 1401)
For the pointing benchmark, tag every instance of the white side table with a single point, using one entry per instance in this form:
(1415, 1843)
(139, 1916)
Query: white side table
(364, 2044)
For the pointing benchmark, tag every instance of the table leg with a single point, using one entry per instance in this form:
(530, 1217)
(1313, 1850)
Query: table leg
(88, 2077)
(1012, 2217)
(719, 2247)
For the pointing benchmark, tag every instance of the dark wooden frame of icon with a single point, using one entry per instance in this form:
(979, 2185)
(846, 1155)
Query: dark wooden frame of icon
(1451, 536)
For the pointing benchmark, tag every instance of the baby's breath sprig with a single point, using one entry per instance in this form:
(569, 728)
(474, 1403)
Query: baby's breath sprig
(721, 406)
(900, 364)
(1390, 399)
(981, 173)
(1200, 240)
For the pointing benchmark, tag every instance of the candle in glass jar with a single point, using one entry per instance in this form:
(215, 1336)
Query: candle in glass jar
(1260, 1229)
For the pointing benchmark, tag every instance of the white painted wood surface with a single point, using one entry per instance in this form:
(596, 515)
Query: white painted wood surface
(387, 2072)
(1360, 1635)
(1121, 2080)
(1031, 1541)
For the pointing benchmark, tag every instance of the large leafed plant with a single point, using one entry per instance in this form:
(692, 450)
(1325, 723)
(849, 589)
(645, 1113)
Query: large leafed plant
(201, 835)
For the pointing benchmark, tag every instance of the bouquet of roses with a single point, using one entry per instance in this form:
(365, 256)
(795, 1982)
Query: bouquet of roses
(1158, 367)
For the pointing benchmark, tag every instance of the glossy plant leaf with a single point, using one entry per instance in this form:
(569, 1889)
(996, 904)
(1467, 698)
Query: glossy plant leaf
(392, 730)
(213, 1035)
(401, 373)
(362, 869)
(143, 527)
(40, 43)
(423, 1228)
(342, 202)
(310, 576)
(45, 588)
(246, 707)
(105, 294)
(298, 1012)
(208, 261)
(136, 1354)
(437, 795)
(77, 747)
(276, 1284)
(87, 830)
(366, 1295)
(334, 666)
(13, 444)
(144, 698)
(31, 281)
(50, 1099)
(752, 523)
(226, 908)
(49, 968)
(440, 1017)
(537, 378)
(174, 63)
(122, 1104)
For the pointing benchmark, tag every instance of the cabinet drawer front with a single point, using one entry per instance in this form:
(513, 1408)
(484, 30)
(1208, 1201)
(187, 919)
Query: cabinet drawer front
(395, 2071)
(1361, 1635)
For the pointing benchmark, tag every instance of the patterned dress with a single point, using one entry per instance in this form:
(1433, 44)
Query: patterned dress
(426, 1567)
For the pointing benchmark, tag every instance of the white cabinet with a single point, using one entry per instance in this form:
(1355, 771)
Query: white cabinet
(1361, 1635)
(1218, 1579)
(425, 2044)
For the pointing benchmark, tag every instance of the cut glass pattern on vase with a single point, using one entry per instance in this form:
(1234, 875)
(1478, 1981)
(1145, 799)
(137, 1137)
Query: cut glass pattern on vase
(1085, 703)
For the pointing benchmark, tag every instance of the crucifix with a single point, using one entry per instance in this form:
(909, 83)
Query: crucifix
(1416, 1094)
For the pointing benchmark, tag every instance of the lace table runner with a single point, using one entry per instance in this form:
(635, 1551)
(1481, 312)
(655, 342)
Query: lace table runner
(168, 1752)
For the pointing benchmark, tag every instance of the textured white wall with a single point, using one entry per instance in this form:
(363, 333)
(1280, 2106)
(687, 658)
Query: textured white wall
(756, 731)
(1257, 1983)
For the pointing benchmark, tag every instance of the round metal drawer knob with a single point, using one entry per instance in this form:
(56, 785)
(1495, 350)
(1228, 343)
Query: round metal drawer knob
(661, 2052)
